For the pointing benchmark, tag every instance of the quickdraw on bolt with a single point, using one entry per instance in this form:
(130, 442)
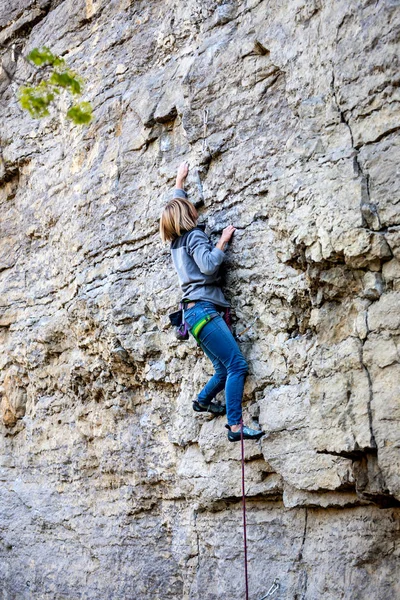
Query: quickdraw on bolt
(274, 588)
(205, 122)
(248, 327)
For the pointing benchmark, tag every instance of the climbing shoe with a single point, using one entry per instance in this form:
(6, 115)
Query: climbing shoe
(248, 434)
(213, 407)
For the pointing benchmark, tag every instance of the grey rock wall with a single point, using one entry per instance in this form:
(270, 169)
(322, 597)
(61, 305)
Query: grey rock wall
(110, 487)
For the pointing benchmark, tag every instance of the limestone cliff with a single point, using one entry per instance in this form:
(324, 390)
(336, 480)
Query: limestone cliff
(288, 113)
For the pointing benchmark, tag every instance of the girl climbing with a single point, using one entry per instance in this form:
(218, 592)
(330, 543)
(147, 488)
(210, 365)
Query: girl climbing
(197, 264)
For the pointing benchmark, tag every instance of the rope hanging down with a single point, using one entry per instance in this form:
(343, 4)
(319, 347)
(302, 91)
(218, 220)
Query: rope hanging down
(276, 585)
(244, 513)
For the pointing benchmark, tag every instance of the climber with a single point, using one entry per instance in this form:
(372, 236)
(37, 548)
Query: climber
(197, 263)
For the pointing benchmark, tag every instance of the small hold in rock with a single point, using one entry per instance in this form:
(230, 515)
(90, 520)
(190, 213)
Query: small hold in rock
(260, 49)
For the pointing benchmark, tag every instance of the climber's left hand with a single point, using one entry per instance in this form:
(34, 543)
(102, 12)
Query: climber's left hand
(181, 175)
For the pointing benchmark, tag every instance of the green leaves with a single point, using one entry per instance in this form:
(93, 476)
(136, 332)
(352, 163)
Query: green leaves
(44, 56)
(36, 100)
(66, 80)
(80, 114)
(56, 77)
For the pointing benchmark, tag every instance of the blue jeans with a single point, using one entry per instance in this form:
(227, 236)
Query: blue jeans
(218, 343)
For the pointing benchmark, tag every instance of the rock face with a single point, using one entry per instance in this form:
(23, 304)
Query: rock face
(111, 488)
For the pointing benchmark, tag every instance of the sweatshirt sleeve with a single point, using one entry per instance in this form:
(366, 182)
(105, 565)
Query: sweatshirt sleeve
(179, 193)
(206, 256)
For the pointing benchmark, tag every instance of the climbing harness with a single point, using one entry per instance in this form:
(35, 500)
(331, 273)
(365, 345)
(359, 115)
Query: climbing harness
(182, 329)
(197, 327)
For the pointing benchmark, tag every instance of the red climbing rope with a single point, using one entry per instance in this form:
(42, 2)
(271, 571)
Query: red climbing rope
(244, 513)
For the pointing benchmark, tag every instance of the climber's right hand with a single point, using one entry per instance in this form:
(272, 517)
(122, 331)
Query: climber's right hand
(226, 235)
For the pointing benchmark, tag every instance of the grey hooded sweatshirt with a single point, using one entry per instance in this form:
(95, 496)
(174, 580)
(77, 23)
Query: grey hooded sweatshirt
(197, 263)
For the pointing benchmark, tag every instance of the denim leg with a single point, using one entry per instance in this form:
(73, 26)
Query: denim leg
(218, 342)
(217, 382)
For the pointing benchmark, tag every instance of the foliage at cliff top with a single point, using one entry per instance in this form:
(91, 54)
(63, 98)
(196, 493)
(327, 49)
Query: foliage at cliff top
(55, 77)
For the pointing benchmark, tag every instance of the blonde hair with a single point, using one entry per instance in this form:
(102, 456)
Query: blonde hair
(178, 216)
